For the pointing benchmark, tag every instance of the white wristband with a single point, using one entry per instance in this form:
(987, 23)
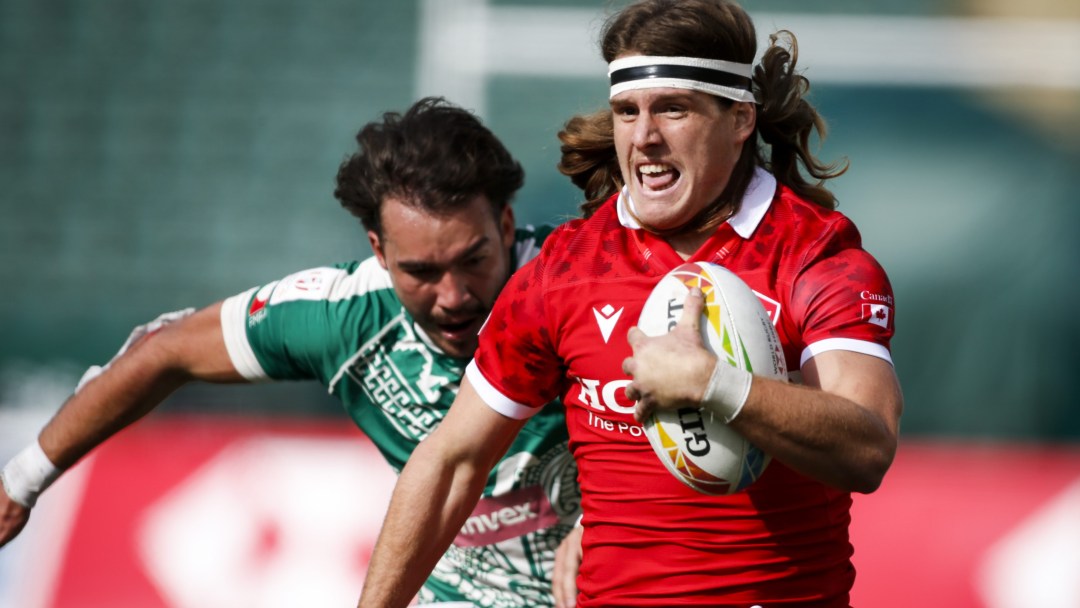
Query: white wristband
(27, 475)
(727, 391)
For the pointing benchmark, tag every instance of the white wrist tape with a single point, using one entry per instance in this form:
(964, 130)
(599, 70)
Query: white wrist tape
(27, 475)
(727, 391)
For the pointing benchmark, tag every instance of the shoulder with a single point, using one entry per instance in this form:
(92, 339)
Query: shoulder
(578, 241)
(563, 248)
(333, 283)
(308, 318)
(810, 231)
(581, 231)
(330, 293)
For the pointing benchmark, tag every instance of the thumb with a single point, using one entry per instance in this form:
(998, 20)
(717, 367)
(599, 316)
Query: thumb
(692, 308)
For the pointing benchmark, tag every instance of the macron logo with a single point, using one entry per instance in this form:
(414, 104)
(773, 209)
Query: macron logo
(606, 318)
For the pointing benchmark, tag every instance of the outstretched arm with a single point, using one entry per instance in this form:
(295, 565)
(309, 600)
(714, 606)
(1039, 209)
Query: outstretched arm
(438, 488)
(133, 384)
(841, 427)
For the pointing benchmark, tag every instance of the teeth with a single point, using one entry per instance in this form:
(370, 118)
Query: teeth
(654, 168)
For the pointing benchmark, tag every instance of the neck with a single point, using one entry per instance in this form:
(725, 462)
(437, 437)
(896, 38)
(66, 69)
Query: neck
(686, 244)
(686, 240)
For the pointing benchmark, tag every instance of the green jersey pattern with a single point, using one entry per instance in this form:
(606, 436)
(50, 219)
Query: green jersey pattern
(344, 326)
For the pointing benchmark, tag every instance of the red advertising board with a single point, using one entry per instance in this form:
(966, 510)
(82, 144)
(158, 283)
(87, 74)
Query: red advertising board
(208, 512)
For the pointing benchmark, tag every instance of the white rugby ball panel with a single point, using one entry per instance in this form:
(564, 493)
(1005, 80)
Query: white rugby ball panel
(699, 450)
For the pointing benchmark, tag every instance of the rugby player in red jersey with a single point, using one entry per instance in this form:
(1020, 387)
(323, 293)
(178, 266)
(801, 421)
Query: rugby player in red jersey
(700, 158)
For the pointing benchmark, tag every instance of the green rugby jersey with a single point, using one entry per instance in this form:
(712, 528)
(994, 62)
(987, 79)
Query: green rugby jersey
(344, 326)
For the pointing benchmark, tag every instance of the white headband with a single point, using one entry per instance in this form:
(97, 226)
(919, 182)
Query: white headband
(712, 76)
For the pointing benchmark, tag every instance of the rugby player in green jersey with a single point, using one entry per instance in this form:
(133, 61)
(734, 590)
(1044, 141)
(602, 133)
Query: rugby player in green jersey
(389, 336)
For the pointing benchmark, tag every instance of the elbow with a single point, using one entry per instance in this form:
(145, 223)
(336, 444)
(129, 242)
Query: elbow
(874, 461)
(866, 478)
(866, 484)
(862, 470)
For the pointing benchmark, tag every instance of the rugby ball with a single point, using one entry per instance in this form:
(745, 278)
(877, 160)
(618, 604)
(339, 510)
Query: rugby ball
(700, 451)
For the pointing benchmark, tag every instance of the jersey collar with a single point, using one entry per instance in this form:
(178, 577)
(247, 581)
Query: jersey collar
(759, 196)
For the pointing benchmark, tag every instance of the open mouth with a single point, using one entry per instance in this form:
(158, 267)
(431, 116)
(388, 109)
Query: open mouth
(457, 329)
(657, 177)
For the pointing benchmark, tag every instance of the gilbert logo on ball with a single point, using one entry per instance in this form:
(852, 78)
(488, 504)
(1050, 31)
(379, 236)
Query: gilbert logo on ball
(700, 451)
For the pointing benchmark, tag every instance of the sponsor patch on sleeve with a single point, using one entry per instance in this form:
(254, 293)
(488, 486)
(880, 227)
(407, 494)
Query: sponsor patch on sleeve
(313, 284)
(878, 314)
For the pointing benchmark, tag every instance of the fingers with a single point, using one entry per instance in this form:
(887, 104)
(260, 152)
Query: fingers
(13, 518)
(692, 308)
(558, 574)
(657, 353)
(643, 408)
(564, 575)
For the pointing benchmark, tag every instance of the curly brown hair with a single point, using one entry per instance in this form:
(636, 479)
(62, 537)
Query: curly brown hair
(436, 156)
(713, 29)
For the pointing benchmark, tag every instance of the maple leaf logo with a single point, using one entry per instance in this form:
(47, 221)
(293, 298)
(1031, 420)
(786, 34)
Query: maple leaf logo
(878, 314)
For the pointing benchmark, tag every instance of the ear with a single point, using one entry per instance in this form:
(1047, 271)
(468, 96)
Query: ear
(507, 226)
(376, 247)
(744, 118)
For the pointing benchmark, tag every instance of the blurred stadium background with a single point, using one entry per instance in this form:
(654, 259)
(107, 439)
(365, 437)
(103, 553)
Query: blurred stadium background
(161, 155)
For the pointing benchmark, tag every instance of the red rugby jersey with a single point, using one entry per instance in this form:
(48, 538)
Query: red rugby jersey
(559, 330)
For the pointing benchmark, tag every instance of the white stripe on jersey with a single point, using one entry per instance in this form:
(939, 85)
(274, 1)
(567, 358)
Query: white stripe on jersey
(234, 328)
(859, 346)
(312, 284)
(494, 398)
(331, 284)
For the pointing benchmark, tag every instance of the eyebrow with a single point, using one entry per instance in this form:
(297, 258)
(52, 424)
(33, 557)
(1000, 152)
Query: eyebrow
(680, 95)
(421, 265)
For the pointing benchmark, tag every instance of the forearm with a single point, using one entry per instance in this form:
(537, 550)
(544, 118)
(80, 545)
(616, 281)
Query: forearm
(430, 503)
(156, 359)
(124, 393)
(99, 409)
(162, 358)
(820, 434)
(435, 494)
(840, 428)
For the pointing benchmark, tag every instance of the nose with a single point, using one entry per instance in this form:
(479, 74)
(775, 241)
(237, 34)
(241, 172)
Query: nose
(452, 292)
(646, 132)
